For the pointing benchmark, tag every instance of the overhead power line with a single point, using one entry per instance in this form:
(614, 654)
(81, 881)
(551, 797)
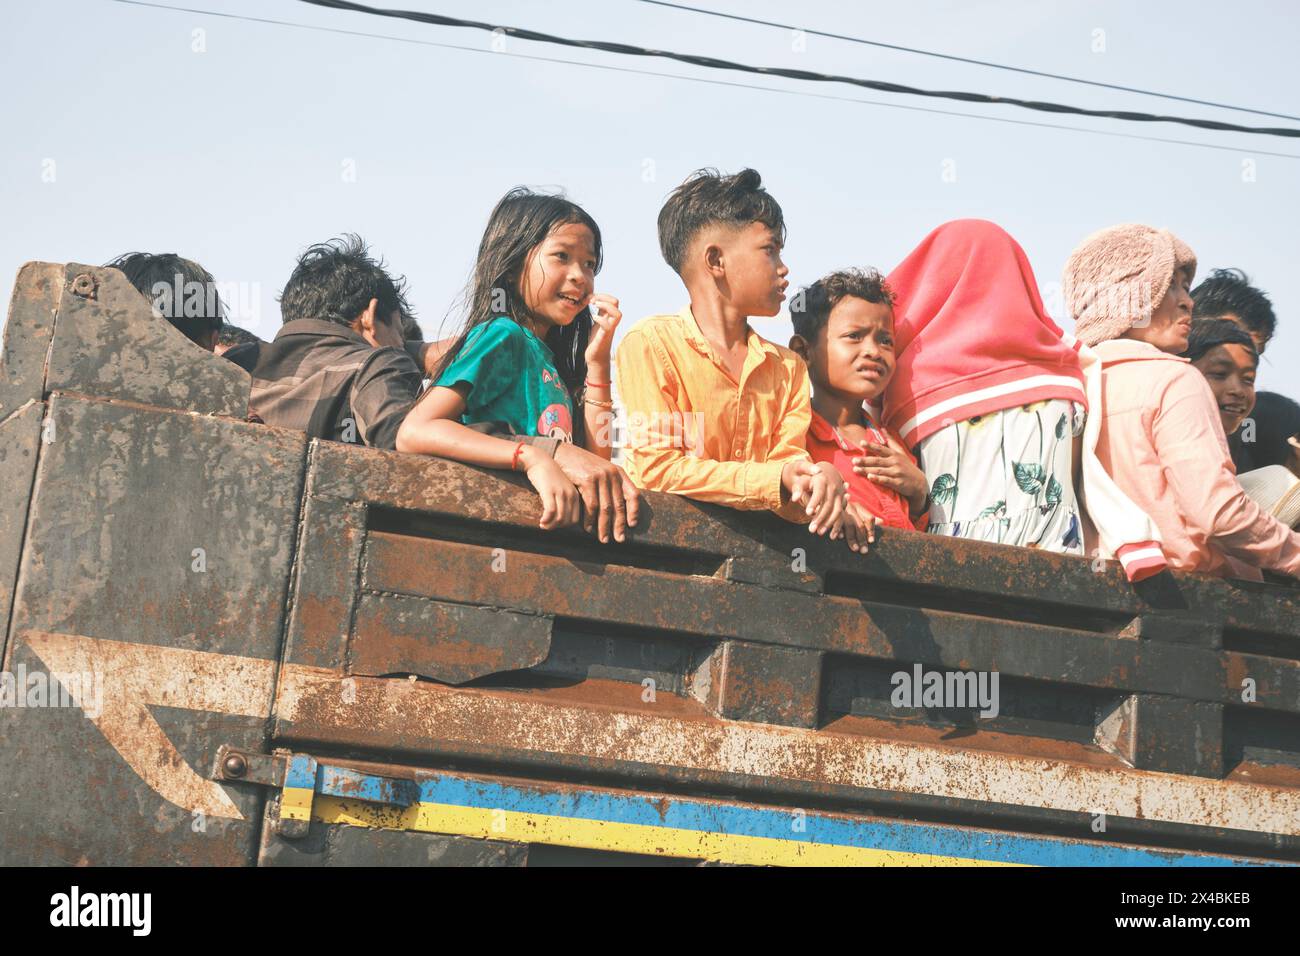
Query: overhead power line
(701, 79)
(964, 59)
(714, 63)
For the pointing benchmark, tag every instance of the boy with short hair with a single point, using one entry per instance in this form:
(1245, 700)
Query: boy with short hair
(1228, 294)
(705, 373)
(844, 330)
(339, 367)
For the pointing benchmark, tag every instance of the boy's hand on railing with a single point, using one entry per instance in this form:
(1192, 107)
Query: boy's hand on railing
(559, 497)
(821, 488)
(890, 466)
(611, 500)
(858, 525)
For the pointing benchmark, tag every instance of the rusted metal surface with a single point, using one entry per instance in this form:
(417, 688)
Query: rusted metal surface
(545, 585)
(27, 334)
(532, 730)
(765, 683)
(391, 636)
(325, 581)
(98, 350)
(20, 443)
(729, 654)
(156, 534)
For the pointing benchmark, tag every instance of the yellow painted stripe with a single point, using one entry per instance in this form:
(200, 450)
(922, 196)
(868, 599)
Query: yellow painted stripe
(296, 803)
(495, 824)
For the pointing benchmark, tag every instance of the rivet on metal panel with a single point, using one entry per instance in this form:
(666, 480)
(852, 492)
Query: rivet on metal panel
(235, 765)
(84, 285)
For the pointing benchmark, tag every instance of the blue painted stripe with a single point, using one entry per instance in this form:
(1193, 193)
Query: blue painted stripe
(301, 772)
(677, 813)
(355, 785)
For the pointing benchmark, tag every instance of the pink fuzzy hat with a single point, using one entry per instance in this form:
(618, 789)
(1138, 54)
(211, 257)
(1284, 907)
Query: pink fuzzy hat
(1116, 277)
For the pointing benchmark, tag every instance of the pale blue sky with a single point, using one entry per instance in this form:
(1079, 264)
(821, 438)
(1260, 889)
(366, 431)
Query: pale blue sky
(237, 155)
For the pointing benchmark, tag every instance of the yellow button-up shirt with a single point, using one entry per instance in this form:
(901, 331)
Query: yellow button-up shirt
(692, 430)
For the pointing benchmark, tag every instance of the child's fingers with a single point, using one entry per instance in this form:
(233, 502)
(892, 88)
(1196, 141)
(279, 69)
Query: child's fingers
(590, 502)
(855, 533)
(836, 509)
(571, 505)
(606, 510)
(633, 499)
(547, 496)
(620, 510)
(817, 494)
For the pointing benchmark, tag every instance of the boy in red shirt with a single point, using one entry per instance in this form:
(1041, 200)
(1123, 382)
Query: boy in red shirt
(844, 330)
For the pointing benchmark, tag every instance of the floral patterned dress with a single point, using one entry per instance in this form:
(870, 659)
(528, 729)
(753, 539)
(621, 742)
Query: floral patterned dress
(1007, 477)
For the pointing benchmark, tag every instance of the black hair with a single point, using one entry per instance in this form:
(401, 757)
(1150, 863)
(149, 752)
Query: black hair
(1276, 419)
(811, 306)
(233, 335)
(1211, 333)
(1229, 292)
(708, 198)
(519, 223)
(411, 329)
(335, 281)
(157, 277)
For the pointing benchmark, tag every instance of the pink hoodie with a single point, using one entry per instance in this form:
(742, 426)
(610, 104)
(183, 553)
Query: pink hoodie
(1162, 442)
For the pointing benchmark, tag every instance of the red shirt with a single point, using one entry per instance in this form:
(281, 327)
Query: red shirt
(826, 444)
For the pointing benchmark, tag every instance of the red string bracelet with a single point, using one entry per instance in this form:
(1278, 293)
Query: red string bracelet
(514, 461)
(591, 384)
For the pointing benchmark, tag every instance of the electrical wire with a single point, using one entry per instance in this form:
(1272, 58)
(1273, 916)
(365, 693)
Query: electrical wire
(712, 82)
(964, 59)
(437, 19)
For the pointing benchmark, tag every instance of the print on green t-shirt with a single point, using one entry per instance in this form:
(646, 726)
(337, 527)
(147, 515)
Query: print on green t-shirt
(512, 379)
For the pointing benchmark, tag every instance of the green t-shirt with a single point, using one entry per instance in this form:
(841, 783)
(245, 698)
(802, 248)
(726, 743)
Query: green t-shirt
(512, 379)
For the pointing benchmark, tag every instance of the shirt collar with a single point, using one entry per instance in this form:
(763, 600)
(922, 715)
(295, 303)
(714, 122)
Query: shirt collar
(824, 431)
(693, 335)
(320, 327)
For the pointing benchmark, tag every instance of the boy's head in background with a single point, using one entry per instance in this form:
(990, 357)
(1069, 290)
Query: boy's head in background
(1228, 294)
(338, 281)
(723, 235)
(180, 290)
(844, 330)
(1225, 354)
(228, 336)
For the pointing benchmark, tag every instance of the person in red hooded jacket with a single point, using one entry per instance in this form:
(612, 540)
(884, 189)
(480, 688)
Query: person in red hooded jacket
(988, 390)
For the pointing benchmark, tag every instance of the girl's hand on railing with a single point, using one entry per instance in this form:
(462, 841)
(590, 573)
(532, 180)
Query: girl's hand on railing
(559, 497)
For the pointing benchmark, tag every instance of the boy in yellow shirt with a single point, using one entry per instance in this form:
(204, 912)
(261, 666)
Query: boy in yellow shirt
(714, 411)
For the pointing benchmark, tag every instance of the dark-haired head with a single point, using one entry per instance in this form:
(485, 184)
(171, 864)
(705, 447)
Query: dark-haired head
(708, 198)
(1228, 294)
(181, 291)
(1276, 432)
(812, 305)
(844, 330)
(519, 224)
(335, 281)
(228, 336)
(1207, 334)
(1224, 353)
